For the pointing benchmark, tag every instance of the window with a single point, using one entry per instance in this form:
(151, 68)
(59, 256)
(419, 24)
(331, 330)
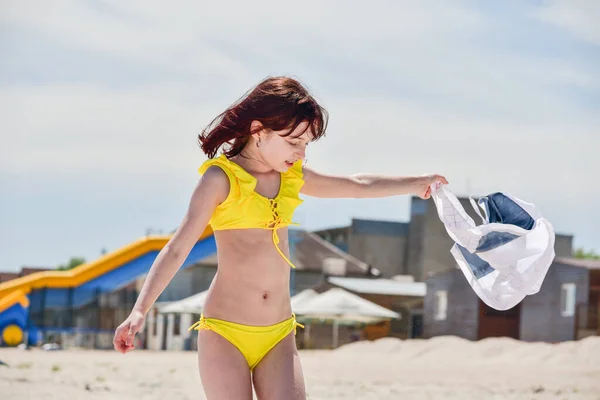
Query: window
(567, 300)
(177, 325)
(441, 305)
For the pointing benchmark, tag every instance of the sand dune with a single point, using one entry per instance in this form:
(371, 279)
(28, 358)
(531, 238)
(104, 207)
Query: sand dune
(439, 368)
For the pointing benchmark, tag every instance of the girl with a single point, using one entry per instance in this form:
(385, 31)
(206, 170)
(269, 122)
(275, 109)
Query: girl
(248, 194)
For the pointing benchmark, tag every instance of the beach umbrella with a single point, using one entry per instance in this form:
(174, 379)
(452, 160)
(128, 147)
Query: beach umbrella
(341, 306)
(302, 297)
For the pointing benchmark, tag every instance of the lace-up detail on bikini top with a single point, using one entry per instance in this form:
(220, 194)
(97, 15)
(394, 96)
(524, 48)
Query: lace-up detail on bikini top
(245, 208)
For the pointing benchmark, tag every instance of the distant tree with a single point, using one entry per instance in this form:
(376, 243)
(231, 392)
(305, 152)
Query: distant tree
(588, 255)
(73, 262)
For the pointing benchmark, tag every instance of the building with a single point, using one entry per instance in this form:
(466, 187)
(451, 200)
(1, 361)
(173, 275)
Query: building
(419, 248)
(381, 244)
(565, 308)
(587, 313)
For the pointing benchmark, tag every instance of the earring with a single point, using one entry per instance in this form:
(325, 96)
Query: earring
(258, 143)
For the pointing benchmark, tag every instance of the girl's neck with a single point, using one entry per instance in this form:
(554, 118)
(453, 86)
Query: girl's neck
(251, 161)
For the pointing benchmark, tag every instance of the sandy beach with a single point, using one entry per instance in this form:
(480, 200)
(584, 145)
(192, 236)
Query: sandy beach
(439, 368)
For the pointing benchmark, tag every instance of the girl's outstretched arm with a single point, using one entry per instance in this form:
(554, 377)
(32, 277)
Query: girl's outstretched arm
(367, 185)
(212, 189)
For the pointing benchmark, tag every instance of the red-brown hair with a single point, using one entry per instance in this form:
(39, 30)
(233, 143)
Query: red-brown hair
(279, 103)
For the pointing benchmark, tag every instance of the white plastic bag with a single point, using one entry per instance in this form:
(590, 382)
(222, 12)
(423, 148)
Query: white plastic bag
(502, 261)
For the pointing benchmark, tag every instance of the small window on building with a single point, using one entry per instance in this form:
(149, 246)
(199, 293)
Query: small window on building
(441, 305)
(567, 300)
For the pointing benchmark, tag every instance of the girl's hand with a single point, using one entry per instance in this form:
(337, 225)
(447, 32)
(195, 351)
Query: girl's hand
(125, 333)
(423, 188)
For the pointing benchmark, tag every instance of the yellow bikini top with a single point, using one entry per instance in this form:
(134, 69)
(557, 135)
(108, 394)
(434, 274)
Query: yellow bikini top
(245, 208)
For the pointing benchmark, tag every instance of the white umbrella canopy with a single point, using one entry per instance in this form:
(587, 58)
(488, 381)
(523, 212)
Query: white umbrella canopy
(340, 304)
(342, 307)
(193, 305)
(302, 297)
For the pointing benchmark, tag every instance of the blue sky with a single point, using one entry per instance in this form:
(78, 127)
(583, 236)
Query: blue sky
(101, 103)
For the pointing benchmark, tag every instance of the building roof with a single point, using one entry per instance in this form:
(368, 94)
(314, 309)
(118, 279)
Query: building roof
(336, 229)
(32, 270)
(578, 262)
(380, 228)
(380, 286)
(8, 276)
(311, 252)
(371, 227)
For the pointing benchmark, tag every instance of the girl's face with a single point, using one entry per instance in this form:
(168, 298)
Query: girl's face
(281, 152)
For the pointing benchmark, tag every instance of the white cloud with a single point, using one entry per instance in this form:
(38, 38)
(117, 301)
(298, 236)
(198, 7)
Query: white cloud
(179, 46)
(58, 129)
(411, 86)
(72, 126)
(580, 18)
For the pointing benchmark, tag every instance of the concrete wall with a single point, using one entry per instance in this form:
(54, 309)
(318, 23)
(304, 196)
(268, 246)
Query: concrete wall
(563, 245)
(541, 318)
(179, 287)
(436, 242)
(339, 237)
(462, 307)
(381, 244)
(202, 277)
(413, 259)
(386, 253)
(305, 280)
(188, 282)
(428, 251)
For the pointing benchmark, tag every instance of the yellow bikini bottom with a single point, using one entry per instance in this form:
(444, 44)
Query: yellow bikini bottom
(254, 342)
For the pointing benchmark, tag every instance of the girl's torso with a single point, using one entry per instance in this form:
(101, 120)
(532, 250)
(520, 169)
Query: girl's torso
(252, 281)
